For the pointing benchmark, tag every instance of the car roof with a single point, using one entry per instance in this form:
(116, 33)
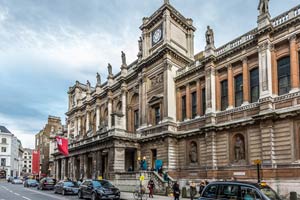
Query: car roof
(236, 183)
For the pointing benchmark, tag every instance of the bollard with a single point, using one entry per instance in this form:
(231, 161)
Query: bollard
(293, 195)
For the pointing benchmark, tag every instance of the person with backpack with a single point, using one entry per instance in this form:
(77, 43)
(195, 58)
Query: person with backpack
(176, 191)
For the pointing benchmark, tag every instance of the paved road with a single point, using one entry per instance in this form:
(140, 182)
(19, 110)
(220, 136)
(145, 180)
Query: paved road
(18, 192)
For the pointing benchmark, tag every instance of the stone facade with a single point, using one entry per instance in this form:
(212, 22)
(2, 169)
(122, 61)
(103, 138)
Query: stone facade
(206, 116)
(44, 144)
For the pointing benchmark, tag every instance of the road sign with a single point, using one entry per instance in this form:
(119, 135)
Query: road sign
(142, 178)
(257, 162)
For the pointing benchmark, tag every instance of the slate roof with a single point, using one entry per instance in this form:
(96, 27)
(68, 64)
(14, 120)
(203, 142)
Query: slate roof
(3, 129)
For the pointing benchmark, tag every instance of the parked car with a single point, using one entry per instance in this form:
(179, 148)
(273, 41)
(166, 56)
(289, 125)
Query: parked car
(98, 189)
(10, 179)
(66, 187)
(17, 181)
(30, 183)
(46, 183)
(238, 190)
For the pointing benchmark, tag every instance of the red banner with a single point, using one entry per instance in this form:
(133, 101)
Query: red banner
(35, 162)
(62, 145)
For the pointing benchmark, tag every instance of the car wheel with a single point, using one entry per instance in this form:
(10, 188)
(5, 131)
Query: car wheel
(94, 196)
(63, 192)
(80, 195)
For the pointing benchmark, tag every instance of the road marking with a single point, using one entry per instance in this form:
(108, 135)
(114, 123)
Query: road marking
(26, 198)
(45, 194)
(17, 194)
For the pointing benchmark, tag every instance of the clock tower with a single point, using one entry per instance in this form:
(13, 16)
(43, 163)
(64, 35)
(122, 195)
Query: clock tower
(167, 28)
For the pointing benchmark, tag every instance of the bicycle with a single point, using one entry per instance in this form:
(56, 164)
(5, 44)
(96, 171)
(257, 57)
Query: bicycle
(140, 193)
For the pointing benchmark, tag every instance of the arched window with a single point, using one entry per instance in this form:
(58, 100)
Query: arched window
(3, 141)
(254, 85)
(284, 73)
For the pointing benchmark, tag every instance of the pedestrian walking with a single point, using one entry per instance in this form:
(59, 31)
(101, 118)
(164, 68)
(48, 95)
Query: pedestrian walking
(193, 190)
(151, 187)
(176, 191)
(201, 187)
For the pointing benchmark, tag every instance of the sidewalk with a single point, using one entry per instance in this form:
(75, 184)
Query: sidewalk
(129, 196)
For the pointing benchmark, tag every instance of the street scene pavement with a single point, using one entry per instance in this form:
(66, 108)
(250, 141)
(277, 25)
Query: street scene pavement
(10, 191)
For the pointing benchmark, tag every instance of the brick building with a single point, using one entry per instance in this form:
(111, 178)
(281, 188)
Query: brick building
(206, 116)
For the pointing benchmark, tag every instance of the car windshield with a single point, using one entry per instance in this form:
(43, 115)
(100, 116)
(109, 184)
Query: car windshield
(70, 184)
(270, 193)
(49, 180)
(32, 181)
(102, 183)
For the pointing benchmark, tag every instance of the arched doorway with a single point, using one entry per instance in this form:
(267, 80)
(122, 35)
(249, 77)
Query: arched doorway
(2, 174)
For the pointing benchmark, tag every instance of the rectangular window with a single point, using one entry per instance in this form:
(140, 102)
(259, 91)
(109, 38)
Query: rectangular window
(194, 104)
(203, 101)
(157, 115)
(3, 162)
(238, 89)
(136, 119)
(183, 107)
(3, 149)
(254, 85)
(284, 73)
(224, 95)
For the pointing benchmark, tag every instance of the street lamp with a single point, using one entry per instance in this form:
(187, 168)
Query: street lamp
(141, 163)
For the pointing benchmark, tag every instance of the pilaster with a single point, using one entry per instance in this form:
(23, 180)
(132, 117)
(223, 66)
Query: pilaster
(97, 117)
(268, 146)
(198, 97)
(245, 81)
(124, 105)
(188, 101)
(109, 111)
(230, 87)
(218, 92)
(265, 69)
(87, 125)
(169, 113)
(274, 71)
(294, 64)
(210, 89)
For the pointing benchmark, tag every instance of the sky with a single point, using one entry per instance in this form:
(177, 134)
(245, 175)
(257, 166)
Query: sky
(46, 45)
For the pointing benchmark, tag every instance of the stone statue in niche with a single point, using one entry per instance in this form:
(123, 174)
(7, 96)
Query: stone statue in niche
(263, 6)
(239, 153)
(193, 153)
(209, 37)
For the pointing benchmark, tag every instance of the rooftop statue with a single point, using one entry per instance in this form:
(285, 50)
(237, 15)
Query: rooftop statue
(263, 6)
(209, 37)
(123, 55)
(98, 77)
(109, 68)
(88, 84)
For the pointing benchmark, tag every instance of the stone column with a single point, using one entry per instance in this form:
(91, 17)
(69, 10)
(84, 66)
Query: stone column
(124, 105)
(97, 117)
(188, 101)
(218, 92)
(94, 171)
(274, 71)
(69, 129)
(79, 126)
(294, 64)
(245, 81)
(85, 166)
(81, 164)
(140, 81)
(198, 98)
(75, 126)
(87, 125)
(63, 168)
(210, 89)
(109, 111)
(265, 69)
(119, 159)
(169, 113)
(230, 87)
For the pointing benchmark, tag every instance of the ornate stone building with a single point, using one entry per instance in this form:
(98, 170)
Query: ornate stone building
(206, 116)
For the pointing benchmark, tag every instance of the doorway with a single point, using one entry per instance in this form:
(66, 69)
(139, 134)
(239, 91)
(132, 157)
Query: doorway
(130, 155)
(104, 167)
(153, 158)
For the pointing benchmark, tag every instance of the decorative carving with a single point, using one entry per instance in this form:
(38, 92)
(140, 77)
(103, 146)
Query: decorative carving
(209, 37)
(263, 7)
(239, 148)
(140, 42)
(156, 81)
(193, 153)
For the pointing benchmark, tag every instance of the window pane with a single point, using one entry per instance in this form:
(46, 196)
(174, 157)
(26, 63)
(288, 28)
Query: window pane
(194, 104)
(183, 107)
(224, 95)
(211, 192)
(157, 115)
(238, 83)
(254, 85)
(203, 101)
(136, 119)
(284, 84)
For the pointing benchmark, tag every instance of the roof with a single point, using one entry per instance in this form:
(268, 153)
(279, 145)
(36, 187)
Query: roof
(3, 129)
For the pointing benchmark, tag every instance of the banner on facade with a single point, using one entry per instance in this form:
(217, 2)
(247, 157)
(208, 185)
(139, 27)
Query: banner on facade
(35, 162)
(62, 145)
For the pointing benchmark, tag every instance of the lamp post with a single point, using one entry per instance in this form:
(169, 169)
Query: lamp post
(258, 163)
(141, 163)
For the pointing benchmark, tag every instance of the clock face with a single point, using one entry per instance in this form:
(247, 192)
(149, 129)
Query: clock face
(156, 35)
